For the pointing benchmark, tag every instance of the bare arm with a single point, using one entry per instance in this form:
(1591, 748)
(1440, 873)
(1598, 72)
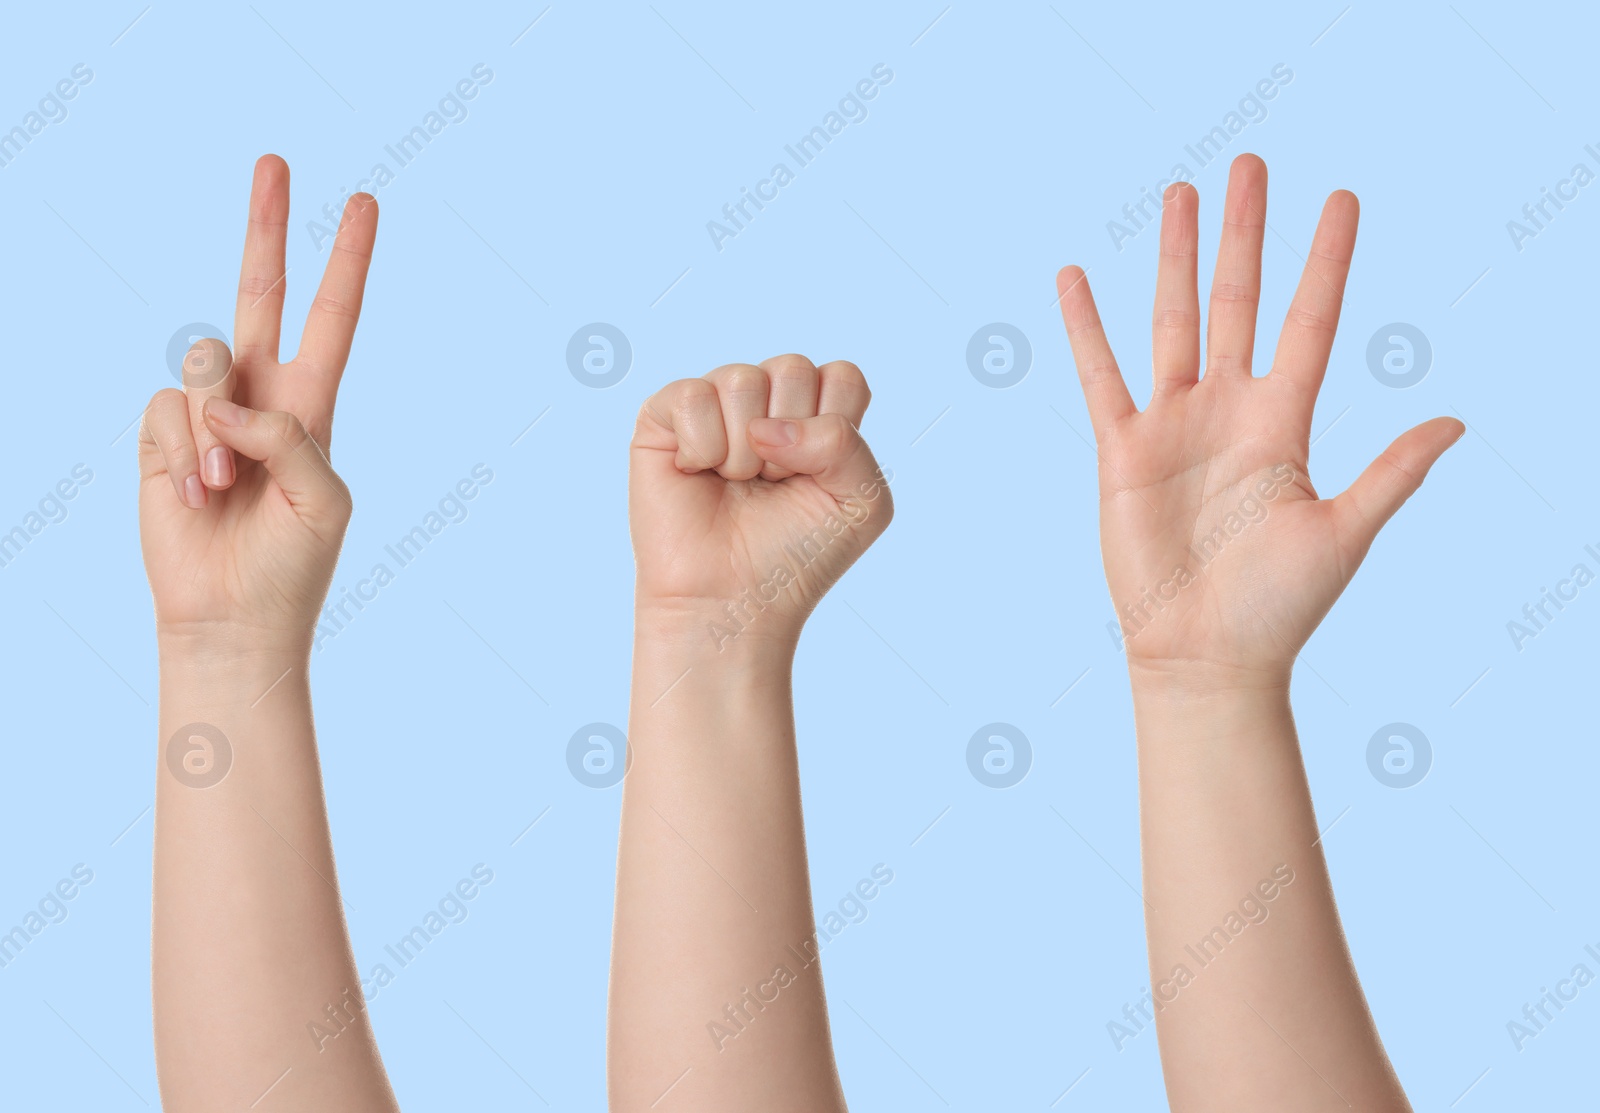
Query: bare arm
(741, 522)
(1256, 1000)
(1222, 559)
(254, 981)
(715, 966)
(256, 999)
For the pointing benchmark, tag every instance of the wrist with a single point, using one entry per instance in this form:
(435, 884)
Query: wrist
(214, 646)
(1223, 712)
(736, 636)
(722, 692)
(1190, 681)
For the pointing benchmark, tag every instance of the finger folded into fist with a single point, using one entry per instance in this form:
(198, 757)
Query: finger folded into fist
(783, 417)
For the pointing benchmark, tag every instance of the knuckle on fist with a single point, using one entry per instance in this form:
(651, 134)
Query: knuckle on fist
(790, 368)
(743, 379)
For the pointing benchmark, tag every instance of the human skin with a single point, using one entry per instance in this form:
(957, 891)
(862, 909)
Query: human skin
(1278, 1021)
(241, 518)
(729, 476)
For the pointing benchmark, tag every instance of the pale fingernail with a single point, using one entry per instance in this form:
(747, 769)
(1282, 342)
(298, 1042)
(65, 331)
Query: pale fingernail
(776, 432)
(225, 412)
(194, 493)
(219, 467)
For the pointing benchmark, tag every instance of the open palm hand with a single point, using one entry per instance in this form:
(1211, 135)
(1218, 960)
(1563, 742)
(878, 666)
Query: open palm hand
(1217, 549)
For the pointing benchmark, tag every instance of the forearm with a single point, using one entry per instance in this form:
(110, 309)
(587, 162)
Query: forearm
(253, 980)
(1256, 1000)
(714, 965)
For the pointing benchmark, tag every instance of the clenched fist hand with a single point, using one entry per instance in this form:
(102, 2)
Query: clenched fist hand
(751, 492)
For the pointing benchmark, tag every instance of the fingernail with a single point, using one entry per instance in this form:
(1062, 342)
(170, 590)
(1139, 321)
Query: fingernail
(776, 432)
(225, 412)
(219, 467)
(194, 493)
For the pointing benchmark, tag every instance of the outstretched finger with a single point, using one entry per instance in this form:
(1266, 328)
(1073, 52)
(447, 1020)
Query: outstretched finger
(331, 325)
(1175, 322)
(1313, 318)
(1385, 485)
(263, 276)
(1236, 287)
(1103, 388)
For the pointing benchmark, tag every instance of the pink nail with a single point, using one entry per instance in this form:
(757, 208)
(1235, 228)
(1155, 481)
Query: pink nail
(225, 412)
(778, 433)
(219, 467)
(194, 493)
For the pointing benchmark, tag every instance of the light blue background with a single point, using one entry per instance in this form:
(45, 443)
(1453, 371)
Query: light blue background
(586, 172)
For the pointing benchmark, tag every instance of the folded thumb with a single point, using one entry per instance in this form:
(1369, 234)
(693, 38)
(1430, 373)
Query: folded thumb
(827, 448)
